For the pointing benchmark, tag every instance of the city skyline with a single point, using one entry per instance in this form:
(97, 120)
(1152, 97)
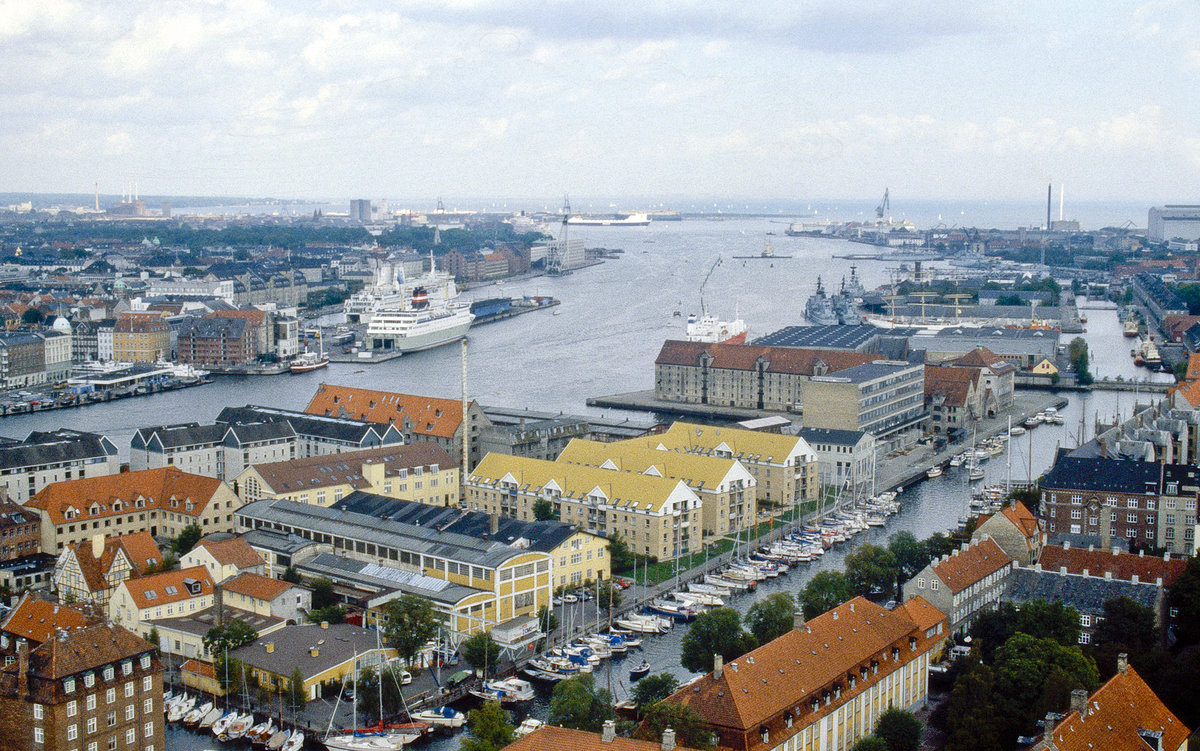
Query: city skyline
(683, 100)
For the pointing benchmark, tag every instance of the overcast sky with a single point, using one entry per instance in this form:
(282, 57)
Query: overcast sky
(475, 98)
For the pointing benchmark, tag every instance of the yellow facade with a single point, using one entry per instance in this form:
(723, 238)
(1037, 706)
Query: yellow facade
(580, 558)
(438, 488)
(1045, 367)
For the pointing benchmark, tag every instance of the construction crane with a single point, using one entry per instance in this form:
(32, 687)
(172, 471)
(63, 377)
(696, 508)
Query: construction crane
(703, 309)
(554, 260)
(884, 206)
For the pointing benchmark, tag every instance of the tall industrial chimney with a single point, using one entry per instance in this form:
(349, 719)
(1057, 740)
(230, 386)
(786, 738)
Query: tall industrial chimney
(1049, 202)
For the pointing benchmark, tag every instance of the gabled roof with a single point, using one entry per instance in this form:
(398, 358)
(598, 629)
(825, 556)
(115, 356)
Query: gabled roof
(74, 652)
(1123, 715)
(552, 738)
(232, 552)
(168, 587)
(54, 448)
(256, 586)
(699, 471)
(37, 620)
(346, 468)
(744, 445)
(966, 567)
(790, 670)
(982, 357)
(156, 487)
(791, 360)
(1019, 516)
(139, 550)
(411, 413)
(1123, 566)
(1087, 594)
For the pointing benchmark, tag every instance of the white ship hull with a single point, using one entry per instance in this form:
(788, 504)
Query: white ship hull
(632, 220)
(413, 331)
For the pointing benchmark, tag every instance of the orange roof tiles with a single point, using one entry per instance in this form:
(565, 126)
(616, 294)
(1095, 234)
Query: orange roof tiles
(1123, 566)
(253, 317)
(168, 587)
(982, 357)
(328, 470)
(790, 671)
(551, 738)
(965, 567)
(139, 548)
(791, 360)
(232, 552)
(84, 649)
(256, 586)
(410, 413)
(1116, 715)
(156, 487)
(36, 619)
(1020, 515)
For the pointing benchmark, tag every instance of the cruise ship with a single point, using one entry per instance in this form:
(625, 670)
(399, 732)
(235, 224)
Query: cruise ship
(617, 220)
(390, 291)
(428, 315)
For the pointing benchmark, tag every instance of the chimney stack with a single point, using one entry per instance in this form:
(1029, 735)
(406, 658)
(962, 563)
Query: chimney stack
(718, 666)
(23, 668)
(798, 620)
(608, 732)
(1123, 663)
(668, 740)
(494, 520)
(1079, 701)
(97, 546)
(219, 604)
(1048, 740)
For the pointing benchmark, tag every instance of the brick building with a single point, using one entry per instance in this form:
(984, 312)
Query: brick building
(217, 341)
(89, 688)
(20, 530)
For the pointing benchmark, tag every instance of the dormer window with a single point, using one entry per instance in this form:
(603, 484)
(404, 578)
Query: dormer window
(89, 679)
(68, 685)
(766, 735)
(787, 720)
(145, 661)
(109, 672)
(116, 506)
(912, 642)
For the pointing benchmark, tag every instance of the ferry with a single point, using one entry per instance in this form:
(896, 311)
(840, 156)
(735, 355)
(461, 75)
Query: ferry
(615, 220)
(429, 316)
(307, 362)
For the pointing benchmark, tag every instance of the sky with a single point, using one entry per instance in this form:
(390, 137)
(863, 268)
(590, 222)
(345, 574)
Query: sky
(690, 98)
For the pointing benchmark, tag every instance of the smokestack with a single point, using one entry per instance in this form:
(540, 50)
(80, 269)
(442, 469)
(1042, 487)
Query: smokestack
(798, 620)
(609, 732)
(1123, 663)
(1079, 701)
(97, 195)
(668, 740)
(1049, 202)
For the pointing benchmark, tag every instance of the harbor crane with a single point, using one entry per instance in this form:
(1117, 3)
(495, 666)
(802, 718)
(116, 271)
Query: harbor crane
(884, 206)
(703, 309)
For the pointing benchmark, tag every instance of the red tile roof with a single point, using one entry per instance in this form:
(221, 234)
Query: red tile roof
(954, 384)
(256, 586)
(790, 360)
(232, 552)
(1117, 714)
(1123, 566)
(139, 548)
(799, 666)
(551, 738)
(36, 619)
(84, 649)
(156, 487)
(410, 413)
(965, 567)
(982, 357)
(168, 587)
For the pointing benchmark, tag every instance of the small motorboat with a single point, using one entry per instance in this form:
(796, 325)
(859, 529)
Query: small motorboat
(640, 671)
(446, 717)
(527, 726)
(934, 471)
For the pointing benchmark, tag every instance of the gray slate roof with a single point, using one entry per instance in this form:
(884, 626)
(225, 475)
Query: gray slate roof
(332, 428)
(831, 435)
(1087, 594)
(335, 645)
(1102, 474)
(55, 447)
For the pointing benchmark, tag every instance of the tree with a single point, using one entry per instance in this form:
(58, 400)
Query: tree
(871, 569)
(653, 689)
(825, 591)
(1127, 625)
(322, 593)
(543, 510)
(691, 730)
(870, 743)
(1185, 598)
(232, 635)
(229, 674)
(718, 631)
(1077, 352)
(329, 614)
(481, 651)
(910, 555)
(547, 621)
(291, 575)
(488, 728)
(577, 703)
(608, 595)
(620, 557)
(1023, 666)
(899, 729)
(33, 316)
(154, 638)
(370, 682)
(411, 621)
(771, 618)
(939, 544)
(1049, 620)
(186, 540)
(294, 695)
(971, 720)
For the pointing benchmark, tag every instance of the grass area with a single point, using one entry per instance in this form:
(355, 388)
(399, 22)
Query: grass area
(663, 570)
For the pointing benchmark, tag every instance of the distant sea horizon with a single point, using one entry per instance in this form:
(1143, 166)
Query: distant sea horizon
(924, 213)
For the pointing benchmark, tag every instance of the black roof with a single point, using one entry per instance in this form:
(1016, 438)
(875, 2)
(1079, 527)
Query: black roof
(174, 436)
(831, 435)
(211, 328)
(1102, 474)
(335, 428)
(1087, 594)
(542, 536)
(58, 446)
(831, 337)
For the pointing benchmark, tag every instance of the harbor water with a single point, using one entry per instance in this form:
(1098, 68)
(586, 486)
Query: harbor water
(612, 322)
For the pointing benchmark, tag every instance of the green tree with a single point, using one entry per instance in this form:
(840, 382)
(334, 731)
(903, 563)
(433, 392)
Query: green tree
(328, 614)
(899, 729)
(825, 591)
(372, 680)
(772, 617)
(1127, 626)
(291, 575)
(232, 635)
(1185, 598)
(488, 728)
(577, 703)
(1077, 352)
(939, 544)
(154, 638)
(322, 593)
(186, 540)
(481, 651)
(1022, 667)
(547, 621)
(871, 569)
(33, 317)
(543, 510)
(230, 674)
(910, 556)
(411, 621)
(294, 696)
(608, 595)
(1049, 620)
(691, 730)
(717, 631)
(971, 720)
(870, 743)
(620, 557)
(653, 689)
